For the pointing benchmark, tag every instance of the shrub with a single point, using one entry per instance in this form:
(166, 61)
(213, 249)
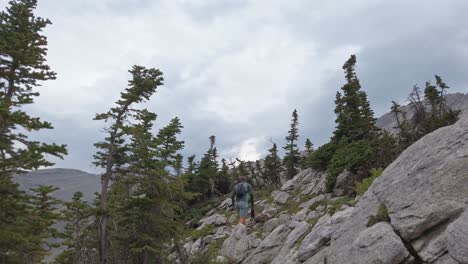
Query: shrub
(381, 216)
(349, 156)
(320, 158)
(361, 187)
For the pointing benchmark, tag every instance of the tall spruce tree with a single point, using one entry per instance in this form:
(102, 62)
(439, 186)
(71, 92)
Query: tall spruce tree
(146, 199)
(223, 181)
(111, 152)
(355, 119)
(272, 167)
(204, 181)
(23, 67)
(309, 148)
(43, 215)
(78, 241)
(291, 159)
(169, 143)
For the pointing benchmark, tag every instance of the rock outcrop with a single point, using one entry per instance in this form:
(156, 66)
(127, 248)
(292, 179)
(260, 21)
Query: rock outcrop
(420, 201)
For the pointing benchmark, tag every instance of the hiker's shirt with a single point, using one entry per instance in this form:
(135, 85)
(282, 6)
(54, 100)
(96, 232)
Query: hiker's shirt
(243, 201)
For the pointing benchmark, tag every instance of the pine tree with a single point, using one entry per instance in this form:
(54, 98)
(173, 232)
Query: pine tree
(23, 67)
(223, 182)
(204, 180)
(291, 157)
(111, 152)
(77, 241)
(168, 142)
(272, 167)
(42, 217)
(146, 199)
(355, 119)
(309, 149)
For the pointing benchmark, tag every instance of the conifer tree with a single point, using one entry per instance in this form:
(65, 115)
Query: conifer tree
(77, 239)
(23, 67)
(291, 157)
(42, 217)
(309, 148)
(111, 152)
(355, 119)
(223, 182)
(207, 171)
(145, 199)
(272, 167)
(169, 144)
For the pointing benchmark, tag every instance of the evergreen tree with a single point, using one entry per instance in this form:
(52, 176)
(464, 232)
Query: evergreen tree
(77, 240)
(169, 144)
(272, 167)
(23, 67)
(291, 157)
(178, 165)
(111, 152)
(43, 215)
(223, 182)
(355, 119)
(204, 180)
(309, 148)
(146, 200)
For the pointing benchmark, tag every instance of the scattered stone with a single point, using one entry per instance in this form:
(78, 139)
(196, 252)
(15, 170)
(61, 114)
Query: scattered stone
(281, 197)
(270, 225)
(216, 220)
(378, 244)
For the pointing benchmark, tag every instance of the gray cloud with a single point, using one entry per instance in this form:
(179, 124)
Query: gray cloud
(237, 69)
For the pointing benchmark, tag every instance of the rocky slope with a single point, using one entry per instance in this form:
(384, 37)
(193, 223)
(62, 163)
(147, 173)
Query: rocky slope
(422, 198)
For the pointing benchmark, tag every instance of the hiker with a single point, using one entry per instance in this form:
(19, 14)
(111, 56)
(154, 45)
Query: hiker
(242, 196)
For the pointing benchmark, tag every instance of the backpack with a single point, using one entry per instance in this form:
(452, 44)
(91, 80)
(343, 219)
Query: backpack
(240, 190)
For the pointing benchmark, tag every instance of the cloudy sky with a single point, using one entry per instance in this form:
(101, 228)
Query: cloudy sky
(237, 69)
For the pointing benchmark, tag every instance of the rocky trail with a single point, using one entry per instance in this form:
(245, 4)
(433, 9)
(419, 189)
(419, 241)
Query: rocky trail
(415, 212)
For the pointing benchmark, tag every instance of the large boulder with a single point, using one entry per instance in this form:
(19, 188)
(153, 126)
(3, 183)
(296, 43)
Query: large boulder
(379, 244)
(280, 197)
(424, 189)
(322, 233)
(216, 220)
(269, 247)
(288, 254)
(238, 244)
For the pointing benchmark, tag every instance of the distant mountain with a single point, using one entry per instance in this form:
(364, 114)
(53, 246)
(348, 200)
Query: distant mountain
(456, 101)
(68, 180)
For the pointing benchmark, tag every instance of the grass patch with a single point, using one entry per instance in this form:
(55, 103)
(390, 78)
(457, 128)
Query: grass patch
(334, 206)
(196, 234)
(264, 194)
(381, 216)
(363, 186)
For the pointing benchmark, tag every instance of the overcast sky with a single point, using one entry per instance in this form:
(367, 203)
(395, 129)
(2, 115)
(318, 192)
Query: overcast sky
(237, 69)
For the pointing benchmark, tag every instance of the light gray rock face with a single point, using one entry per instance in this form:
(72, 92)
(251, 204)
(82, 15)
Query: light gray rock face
(424, 189)
(270, 225)
(280, 197)
(317, 184)
(269, 247)
(317, 199)
(238, 244)
(287, 254)
(322, 233)
(379, 244)
(216, 220)
(457, 239)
